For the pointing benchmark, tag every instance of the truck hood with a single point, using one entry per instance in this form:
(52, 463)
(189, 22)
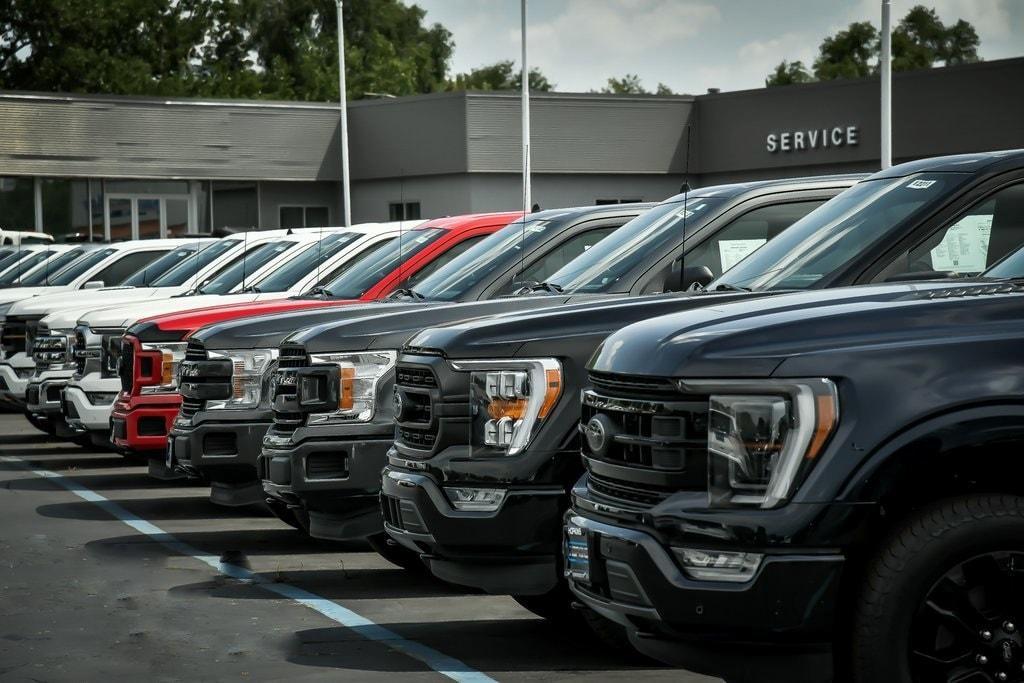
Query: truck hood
(183, 321)
(753, 338)
(388, 328)
(570, 331)
(12, 294)
(90, 299)
(125, 316)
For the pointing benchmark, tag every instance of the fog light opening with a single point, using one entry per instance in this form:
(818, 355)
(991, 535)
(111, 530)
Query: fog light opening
(474, 499)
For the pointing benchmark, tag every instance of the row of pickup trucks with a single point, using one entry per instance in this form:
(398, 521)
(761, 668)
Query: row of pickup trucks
(765, 430)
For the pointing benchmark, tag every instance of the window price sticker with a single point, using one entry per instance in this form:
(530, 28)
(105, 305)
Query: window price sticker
(964, 249)
(733, 251)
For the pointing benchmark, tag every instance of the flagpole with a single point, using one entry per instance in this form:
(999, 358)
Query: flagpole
(527, 190)
(885, 67)
(346, 196)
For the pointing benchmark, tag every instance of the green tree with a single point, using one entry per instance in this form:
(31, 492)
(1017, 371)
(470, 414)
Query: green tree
(919, 41)
(787, 73)
(499, 76)
(627, 85)
(848, 53)
(663, 89)
(88, 46)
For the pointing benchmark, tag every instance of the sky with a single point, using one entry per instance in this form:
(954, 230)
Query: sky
(689, 45)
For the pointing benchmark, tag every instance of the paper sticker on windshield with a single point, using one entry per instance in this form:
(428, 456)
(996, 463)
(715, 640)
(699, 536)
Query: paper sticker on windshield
(920, 184)
(964, 248)
(733, 251)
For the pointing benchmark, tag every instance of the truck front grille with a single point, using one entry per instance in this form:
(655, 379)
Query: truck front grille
(12, 337)
(290, 356)
(418, 388)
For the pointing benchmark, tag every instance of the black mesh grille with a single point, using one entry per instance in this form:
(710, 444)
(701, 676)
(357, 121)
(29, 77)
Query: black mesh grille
(126, 364)
(621, 491)
(633, 385)
(415, 427)
(327, 465)
(13, 336)
(415, 377)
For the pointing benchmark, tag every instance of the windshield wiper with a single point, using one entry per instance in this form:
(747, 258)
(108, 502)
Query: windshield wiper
(727, 287)
(407, 292)
(548, 287)
(319, 291)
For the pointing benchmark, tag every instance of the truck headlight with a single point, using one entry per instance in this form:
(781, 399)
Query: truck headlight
(160, 361)
(250, 374)
(509, 401)
(353, 389)
(763, 436)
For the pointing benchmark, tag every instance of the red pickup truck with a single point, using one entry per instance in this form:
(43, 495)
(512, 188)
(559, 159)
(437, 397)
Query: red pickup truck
(151, 349)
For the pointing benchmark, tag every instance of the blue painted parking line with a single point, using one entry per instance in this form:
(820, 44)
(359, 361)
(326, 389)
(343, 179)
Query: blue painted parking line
(439, 662)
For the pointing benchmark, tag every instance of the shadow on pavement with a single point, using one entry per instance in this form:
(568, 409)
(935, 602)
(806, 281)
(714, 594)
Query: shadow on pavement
(119, 481)
(154, 509)
(334, 584)
(488, 645)
(260, 541)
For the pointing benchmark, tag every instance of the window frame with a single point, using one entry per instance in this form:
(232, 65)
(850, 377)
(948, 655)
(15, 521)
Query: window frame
(305, 220)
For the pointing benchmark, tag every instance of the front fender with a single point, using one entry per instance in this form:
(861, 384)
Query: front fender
(930, 448)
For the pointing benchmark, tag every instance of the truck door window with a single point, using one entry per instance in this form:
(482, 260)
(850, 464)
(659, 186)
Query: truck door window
(562, 254)
(746, 234)
(442, 260)
(971, 243)
(119, 270)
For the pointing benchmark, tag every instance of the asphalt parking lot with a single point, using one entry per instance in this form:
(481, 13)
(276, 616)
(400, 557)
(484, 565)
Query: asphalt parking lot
(106, 573)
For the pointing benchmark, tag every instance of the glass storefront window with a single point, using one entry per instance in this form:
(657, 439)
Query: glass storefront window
(17, 204)
(235, 205)
(68, 210)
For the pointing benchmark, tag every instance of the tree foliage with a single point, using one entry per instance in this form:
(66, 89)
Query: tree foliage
(279, 49)
(919, 41)
(499, 76)
(630, 84)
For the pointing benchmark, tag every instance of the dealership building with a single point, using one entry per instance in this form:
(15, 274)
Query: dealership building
(116, 167)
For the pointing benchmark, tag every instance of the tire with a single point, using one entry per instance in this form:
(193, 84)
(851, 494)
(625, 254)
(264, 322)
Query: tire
(397, 554)
(293, 517)
(941, 596)
(41, 424)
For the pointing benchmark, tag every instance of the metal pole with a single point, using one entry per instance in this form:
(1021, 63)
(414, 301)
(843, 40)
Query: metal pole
(527, 193)
(885, 66)
(346, 196)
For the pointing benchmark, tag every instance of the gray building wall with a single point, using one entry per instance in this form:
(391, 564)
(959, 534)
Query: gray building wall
(131, 137)
(274, 195)
(968, 108)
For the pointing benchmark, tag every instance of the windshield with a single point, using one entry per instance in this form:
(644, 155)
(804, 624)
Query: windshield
(180, 274)
(80, 267)
(23, 266)
(373, 267)
(831, 236)
(151, 272)
(8, 259)
(285, 277)
(243, 267)
(479, 262)
(42, 275)
(604, 267)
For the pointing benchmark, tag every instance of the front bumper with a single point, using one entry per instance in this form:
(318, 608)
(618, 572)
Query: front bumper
(514, 550)
(636, 581)
(81, 413)
(142, 423)
(43, 394)
(222, 452)
(15, 374)
(333, 472)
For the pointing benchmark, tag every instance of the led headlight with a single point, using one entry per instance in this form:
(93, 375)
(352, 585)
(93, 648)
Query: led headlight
(354, 380)
(763, 436)
(509, 401)
(475, 499)
(165, 357)
(250, 373)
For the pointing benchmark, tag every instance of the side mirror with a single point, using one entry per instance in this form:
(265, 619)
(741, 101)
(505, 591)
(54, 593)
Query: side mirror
(93, 284)
(680, 278)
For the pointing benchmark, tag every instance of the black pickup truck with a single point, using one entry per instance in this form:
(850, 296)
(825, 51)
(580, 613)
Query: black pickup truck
(220, 442)
(769, 483)
(327, 463)
(487, 443)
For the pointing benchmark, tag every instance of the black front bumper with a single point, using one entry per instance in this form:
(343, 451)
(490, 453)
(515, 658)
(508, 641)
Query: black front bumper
(514, 550)
(222, 452)
(786, 610)
(331, 471)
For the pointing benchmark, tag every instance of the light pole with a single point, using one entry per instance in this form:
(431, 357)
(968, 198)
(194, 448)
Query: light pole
(527, 191)
(346, 196)
(885, 67)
